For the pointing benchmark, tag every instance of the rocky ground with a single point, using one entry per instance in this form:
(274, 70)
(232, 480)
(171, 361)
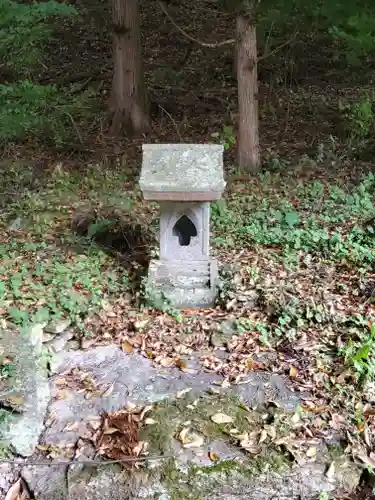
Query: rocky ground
(210, 439)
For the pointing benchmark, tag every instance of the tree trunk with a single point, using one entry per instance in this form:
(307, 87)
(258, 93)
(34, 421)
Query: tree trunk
(248, 155)
(128, 101)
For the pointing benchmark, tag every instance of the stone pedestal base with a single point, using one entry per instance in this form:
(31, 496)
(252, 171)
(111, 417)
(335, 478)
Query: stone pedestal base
(187, 284)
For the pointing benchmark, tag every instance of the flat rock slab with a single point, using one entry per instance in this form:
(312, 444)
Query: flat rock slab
(122, 378)
(26, 391)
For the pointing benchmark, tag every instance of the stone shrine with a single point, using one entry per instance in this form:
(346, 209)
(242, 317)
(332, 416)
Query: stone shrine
(184, 178)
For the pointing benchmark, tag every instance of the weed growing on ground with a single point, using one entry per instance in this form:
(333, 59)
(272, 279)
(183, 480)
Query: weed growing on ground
(47, 271)
(359, 353)
(332, 224)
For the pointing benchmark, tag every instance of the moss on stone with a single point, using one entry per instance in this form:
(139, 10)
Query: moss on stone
(171, 417)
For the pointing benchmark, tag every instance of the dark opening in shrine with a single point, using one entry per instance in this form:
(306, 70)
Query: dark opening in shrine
(185, 230)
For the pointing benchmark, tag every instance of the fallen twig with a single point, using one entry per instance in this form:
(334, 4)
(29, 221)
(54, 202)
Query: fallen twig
(98, 463)
(173, 121)
(230, 41)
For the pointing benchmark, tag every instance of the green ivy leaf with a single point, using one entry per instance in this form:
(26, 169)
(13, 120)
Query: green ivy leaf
(291, 219)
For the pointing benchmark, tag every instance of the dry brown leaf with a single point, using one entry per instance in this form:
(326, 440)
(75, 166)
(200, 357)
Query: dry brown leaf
(195, 441)
(61, 381)
(166, 362)
(331, 471)
(145, 410)
(221, 418)
(95, 424)
(110, 430)
(368, 460)
(150, 421)
(140, 324)
(127, 346)
(295, 418)
(130, 406)
(15, 400)
(180, 363)
(188, 370)
(71, 427)
(182, 435)
(14, 491)
(214, 457)
(271, 431)
(190, 439)
(263, 436)
(138, 448)
(311, 452)
(293, 372)
(86, 343)
(44, 447)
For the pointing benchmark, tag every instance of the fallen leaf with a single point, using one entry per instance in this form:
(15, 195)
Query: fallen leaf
(271, 431)
(130, 406)
(145, 410)
(221, 418)
(108, 391)
(71, 427)
(127, 347)
(166, 362)
(180, 363)
(331, 471)
(195, 441)
(14, 491)
(311, 452)
(190, 440)
(140, 324)
(295, 418)
(293, 372)
(263, 436)
(86, 343)
(15, 400)
(368, 460)
(182, 393)
(44, 447)
(110, 430)
(214, 457)
(150, 421)
(188, 370)
(138, 448)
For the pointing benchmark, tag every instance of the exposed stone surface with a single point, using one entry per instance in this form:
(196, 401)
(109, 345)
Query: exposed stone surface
(194, 169)
(8, 476)
(185, 284)
(225, 331)
(290, 483)
(59, 342)
(121, 378)
(58, 326)
(27, 390)
(47, 483)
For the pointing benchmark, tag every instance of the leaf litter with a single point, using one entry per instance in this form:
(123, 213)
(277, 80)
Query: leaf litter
(318, 321)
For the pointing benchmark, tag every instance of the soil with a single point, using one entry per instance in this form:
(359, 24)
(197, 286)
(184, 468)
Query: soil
(192, 88)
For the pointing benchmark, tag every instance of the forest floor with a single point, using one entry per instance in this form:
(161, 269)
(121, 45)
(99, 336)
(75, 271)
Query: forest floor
(296, 242)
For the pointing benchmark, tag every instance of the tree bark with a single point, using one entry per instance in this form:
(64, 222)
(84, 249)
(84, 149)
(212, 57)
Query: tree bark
(128, 100)
(248, 155)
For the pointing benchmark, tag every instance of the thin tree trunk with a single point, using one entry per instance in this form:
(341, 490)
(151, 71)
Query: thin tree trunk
(128, 101)
(248, 155)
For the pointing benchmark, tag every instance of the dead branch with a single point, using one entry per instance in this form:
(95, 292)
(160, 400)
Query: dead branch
(231, 41)
(173, 121)
(279, 47)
